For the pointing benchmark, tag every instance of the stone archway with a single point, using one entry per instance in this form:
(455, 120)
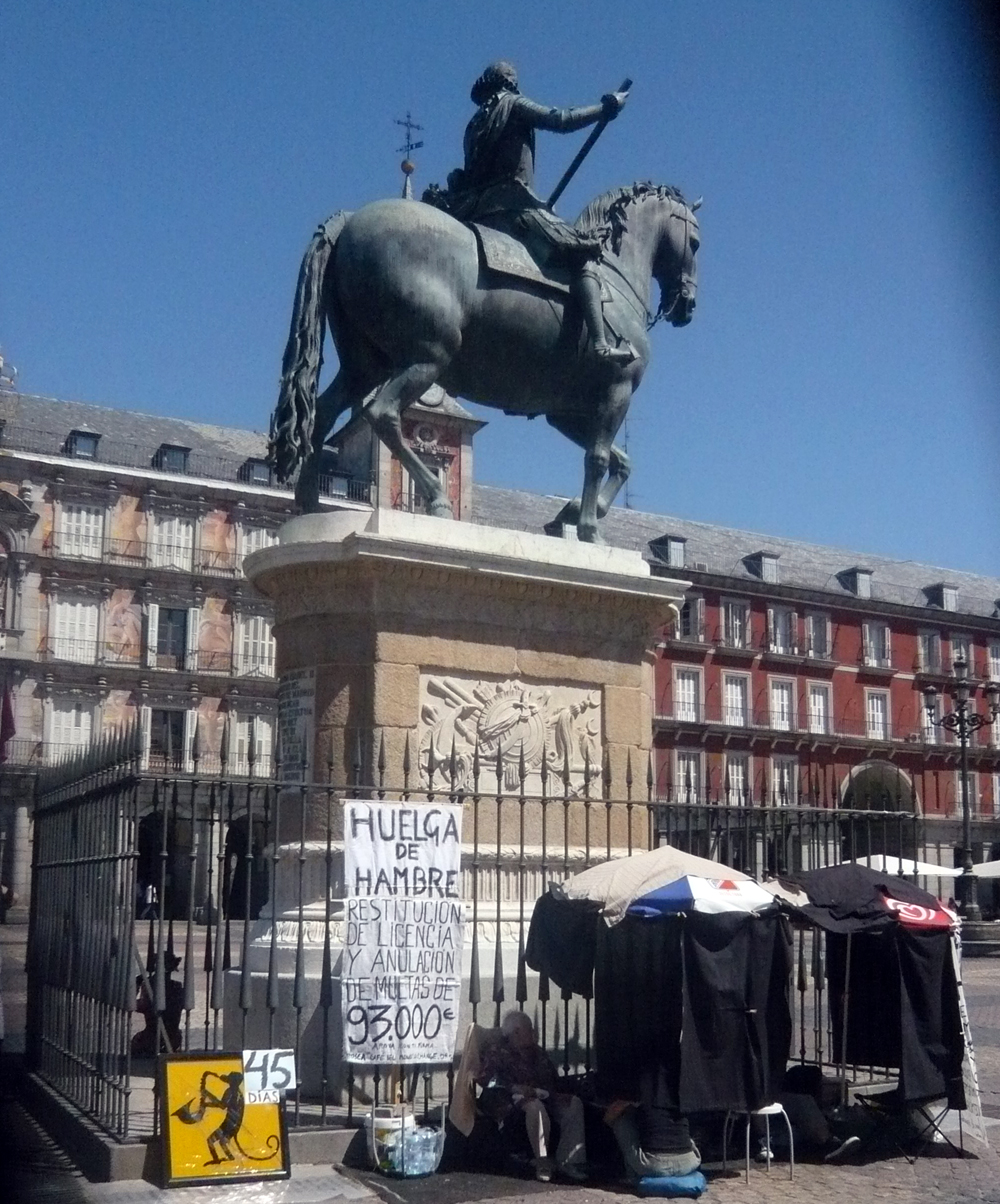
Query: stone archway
(878, 785)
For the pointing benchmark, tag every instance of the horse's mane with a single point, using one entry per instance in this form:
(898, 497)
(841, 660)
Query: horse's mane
(607, 214)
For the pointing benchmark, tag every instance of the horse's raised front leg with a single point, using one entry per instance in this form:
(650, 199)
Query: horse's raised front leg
(384, 414)
(341, 394)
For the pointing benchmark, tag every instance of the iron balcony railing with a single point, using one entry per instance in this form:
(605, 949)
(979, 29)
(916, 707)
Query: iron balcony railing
(90, 652)
(778, 721)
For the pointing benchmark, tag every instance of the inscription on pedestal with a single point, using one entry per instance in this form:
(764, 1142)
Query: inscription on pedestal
(557, 724)
(296, 722)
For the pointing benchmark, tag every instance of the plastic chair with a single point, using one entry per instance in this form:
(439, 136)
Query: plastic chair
(767, 1112)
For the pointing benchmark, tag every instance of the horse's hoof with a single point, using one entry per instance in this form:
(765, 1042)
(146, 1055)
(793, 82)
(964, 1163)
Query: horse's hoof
(588, 534)
(440, 510)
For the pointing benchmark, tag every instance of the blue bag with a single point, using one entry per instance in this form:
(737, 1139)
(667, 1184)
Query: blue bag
(673, 1186)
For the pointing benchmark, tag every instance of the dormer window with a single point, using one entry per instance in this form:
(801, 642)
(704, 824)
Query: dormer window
(857, 580)
(669, 549)
(942, 595)
(255, 472)
(82, 445)
(763, 565)
(171, 458)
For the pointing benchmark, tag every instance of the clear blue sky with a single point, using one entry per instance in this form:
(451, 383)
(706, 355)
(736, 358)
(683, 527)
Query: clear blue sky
(164, 165)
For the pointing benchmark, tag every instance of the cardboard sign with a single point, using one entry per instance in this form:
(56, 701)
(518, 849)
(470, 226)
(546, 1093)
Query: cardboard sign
(404, 931)
(212, 1131)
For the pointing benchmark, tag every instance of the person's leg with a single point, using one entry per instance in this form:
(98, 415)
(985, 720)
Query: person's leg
(640, 1162)
(568, 1111)
(536, 1120)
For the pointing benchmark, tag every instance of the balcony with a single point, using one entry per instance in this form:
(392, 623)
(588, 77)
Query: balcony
(732, 721)
(59, 648)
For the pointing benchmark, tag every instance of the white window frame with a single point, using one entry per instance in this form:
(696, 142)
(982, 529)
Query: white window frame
(74, 626)
(993, 660)
(813, 617)
(694, 604)
(996, 792)
(264, 741)
(682, 758)
(871, 694)
(786, 723)
(826, 689)
(785, 769)
(777, 618)
(172, 543)
(57, 746)
(81, 530)
(255, 646)
(737, 796)
(868, 631)
(733, 633)
(255, 538)
(727, 711)
(929, 664)
(974, 795)
(960, 639)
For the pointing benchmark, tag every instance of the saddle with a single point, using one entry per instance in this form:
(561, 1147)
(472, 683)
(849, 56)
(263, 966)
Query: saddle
(507, 256)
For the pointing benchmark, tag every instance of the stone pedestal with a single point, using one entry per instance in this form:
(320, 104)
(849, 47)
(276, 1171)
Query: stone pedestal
(442, 647)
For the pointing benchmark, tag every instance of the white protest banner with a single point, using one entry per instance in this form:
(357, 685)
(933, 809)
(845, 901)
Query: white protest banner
(404, 930)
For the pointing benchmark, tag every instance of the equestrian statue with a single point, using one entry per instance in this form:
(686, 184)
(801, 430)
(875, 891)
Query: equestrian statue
(482, 289)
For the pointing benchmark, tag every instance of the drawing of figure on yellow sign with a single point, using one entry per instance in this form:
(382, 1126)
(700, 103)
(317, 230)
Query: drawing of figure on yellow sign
(213, 1128)
(233, 1103)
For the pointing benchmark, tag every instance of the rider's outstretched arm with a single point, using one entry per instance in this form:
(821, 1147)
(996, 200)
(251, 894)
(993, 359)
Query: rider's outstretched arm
(564, 121)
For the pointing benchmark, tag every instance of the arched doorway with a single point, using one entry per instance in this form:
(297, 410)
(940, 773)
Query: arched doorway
(878, 785)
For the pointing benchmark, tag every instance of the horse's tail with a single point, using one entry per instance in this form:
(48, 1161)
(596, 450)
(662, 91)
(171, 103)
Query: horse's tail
(295, 413)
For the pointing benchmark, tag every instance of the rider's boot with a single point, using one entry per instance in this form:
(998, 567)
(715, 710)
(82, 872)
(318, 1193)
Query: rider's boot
(588, 291)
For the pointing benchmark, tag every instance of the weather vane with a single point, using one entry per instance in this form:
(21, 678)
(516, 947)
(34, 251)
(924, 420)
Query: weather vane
(409, 125)
(408, 166)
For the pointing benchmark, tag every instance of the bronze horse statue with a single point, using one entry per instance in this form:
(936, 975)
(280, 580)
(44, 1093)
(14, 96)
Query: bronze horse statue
(409, 305)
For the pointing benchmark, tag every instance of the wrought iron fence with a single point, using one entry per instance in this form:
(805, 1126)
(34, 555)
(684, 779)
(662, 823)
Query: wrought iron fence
(202, 910)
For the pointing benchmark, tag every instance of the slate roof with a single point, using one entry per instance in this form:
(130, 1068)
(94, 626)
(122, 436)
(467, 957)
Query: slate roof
(129, 438)
(41, 424)
(725, 551)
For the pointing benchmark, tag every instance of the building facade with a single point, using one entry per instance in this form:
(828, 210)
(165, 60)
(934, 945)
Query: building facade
(792, 676)
(122, 539)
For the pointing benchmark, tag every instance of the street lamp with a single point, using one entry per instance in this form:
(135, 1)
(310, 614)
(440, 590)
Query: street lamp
(964, 720)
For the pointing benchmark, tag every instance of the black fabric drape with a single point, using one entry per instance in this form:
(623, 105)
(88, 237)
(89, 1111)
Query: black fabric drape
(933, 1040)
(874, 1030)
(902, 1010)
(701, 1002)
(737, 1020)
(638, 1007)
(562, 942)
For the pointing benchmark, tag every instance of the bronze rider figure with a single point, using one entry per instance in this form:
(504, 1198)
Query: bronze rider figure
(496, 187)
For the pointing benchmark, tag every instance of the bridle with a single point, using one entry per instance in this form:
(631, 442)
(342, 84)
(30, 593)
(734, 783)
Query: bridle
(684, 288)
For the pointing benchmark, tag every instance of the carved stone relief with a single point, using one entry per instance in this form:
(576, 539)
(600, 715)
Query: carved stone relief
(513, 719)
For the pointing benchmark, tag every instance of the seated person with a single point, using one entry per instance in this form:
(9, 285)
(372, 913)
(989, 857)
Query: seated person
(653, 1138)
(518, 1074)
(145, 1043)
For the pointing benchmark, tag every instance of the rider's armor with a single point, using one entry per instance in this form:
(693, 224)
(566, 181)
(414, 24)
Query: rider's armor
(496, 186)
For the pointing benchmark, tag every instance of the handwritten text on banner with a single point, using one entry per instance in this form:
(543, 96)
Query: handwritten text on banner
(402, 967)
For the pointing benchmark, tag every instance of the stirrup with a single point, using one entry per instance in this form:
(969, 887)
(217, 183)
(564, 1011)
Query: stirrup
(614, 355)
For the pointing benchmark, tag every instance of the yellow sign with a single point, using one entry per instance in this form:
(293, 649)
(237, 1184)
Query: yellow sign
(214, 1130)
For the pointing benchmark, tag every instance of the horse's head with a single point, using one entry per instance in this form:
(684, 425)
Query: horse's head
(674, 268)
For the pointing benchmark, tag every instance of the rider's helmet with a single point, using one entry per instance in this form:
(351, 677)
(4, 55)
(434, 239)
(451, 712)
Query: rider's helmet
(498, 77)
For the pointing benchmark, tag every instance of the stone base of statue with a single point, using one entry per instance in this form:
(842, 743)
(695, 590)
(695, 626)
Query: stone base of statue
(506, 670)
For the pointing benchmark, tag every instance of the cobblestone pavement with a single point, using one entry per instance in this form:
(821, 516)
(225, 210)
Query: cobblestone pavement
(34, 1171)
